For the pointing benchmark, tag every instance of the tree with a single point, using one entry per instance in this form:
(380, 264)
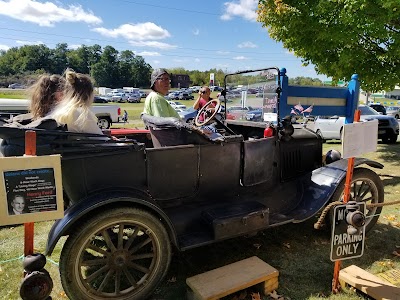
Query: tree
(305, 81)
(141, 72)
(126, 60)
(105, 71)
(59, 58)
(340, 37)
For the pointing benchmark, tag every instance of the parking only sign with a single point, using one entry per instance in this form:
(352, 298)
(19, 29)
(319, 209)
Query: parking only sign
(343, 244)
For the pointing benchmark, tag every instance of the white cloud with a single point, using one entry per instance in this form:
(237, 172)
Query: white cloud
(74, 46)
(46, 13)
(152, 44)
(148, 53)
(245, 9)
(136, 32)
(247, 45)
(28, 42)
(196, 31)
(223, 52)
(197, 60)
(240, 57)
(4, 47)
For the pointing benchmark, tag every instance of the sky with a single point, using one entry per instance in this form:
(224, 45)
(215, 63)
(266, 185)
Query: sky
(194, 35)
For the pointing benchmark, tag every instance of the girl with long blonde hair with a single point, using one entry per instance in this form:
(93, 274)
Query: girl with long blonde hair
(74, 109)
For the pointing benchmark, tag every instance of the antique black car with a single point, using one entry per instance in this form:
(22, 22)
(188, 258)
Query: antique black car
(129, 201)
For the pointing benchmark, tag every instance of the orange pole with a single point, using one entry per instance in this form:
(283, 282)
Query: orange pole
(30, 149)
(346, 197)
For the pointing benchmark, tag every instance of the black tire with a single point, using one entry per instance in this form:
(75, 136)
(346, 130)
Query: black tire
(368, 188)
(121, 253)
(104, 122)
(390, 139)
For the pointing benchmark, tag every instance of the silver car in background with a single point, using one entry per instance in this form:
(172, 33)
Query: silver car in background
(330, 128)
(393, 111)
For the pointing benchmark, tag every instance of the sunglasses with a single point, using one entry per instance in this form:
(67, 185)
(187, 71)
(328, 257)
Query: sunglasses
(163, 79)
(203, 92)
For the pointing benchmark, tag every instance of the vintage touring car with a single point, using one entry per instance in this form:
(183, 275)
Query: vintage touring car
(129, 201)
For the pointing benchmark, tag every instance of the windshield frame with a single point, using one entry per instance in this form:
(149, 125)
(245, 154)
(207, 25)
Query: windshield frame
(277, 82)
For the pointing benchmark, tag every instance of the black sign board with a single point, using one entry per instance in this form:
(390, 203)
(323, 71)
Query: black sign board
(345, 245)
(30, 191)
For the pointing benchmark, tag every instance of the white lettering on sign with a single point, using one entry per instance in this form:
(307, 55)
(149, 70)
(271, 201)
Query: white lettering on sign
(345, 238)
(341, 215)
(346, 249)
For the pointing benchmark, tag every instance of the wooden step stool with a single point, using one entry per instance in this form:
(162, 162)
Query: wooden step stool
(231, 278)
(368, 283)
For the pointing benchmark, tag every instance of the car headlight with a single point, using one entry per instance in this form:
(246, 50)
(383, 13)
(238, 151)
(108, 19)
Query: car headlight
(250, 116)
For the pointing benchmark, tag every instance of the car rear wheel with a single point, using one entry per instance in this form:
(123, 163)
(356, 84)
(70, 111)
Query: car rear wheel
(119, 254)
(104, 122)
(366, 186)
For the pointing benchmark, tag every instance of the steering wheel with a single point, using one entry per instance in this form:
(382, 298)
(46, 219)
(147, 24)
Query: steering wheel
(208, 112)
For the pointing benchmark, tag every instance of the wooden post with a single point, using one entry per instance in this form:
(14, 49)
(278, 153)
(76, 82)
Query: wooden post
(30, 149)
(346, 197)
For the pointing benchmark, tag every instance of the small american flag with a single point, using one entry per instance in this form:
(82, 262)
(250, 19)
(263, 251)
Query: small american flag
(299, 107)
(308, 109)
(293, 112)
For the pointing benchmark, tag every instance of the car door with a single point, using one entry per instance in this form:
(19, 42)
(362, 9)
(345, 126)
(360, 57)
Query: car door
(329, 127)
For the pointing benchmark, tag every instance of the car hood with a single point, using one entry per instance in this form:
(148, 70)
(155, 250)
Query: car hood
(375, 117)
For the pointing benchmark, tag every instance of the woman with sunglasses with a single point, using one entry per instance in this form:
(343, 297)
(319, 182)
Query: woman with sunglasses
(202, 100)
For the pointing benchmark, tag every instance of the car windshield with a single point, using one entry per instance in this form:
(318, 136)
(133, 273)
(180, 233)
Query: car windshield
(252, 91)
(366, 110)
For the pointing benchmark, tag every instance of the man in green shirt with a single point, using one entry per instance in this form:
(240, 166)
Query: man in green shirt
(155, 104)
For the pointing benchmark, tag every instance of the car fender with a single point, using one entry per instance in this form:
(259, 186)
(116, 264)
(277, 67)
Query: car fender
(81, 210)
(317, 188)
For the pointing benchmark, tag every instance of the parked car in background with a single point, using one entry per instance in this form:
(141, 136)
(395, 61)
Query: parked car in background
(173, 96)
(100, 99)
(16, 86)
(185, 96)
(119, 97)
(393, 111)
(134, 97)
(330, 128)
(255, 115)
(177, 104)
(143, 94)
(188, 115)
(238, 112)
(379, 108)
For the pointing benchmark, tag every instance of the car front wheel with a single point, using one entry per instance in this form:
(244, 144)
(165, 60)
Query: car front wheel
(366, 186)
(119, 254)
(390, 139)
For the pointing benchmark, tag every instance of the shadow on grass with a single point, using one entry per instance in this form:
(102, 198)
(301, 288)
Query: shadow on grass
(300, 253)
(389, 152)
(388, 179)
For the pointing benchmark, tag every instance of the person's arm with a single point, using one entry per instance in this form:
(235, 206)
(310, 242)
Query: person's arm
(196, 104)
